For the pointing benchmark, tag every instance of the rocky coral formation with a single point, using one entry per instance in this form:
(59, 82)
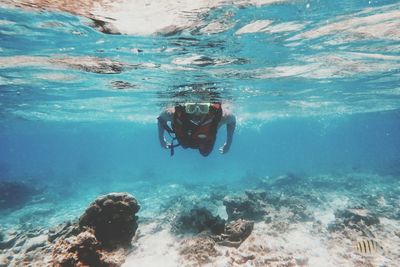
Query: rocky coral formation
(76, 243)
(20, 248)
(203, 249)
(112, 217)
(64, 230)
(251, 206)
(198, 220)
(199, 250)
(84, 250)
(8, 239)
(235, 233)
(295, 227)
(108, 223)
(357, 215)
(355, 218)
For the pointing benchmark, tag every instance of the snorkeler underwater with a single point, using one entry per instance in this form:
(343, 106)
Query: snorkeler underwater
(199, 133)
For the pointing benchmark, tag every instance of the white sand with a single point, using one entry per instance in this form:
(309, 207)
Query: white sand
(154, 249)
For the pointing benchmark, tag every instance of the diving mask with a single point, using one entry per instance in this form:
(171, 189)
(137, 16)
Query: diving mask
(192, 108)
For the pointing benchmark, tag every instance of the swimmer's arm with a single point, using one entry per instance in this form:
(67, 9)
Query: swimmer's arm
(230, 121)
(230, 129)
(163, 118)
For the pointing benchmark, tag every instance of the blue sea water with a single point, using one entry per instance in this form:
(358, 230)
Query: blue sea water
(314, 85)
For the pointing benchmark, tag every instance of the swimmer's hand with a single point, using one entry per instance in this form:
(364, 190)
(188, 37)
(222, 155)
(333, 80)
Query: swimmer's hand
(224, 149)
(165, 144)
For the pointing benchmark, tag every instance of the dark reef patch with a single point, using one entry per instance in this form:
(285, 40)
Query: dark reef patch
(251, 206)
(235, 233)
(198, 220)
(112, 217)
(355, 218)
(14, 194)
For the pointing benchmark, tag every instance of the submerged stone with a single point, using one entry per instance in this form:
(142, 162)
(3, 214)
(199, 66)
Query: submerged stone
(4, 261)
(64, 230)
(251, 206)
(35, 242)
(256, 195)
(198, 220)
(239, 230)
(8, 241)
(81, 249)
(101, 236)
(112, 217)
(235, 233)
(199, 250)
(355, 216)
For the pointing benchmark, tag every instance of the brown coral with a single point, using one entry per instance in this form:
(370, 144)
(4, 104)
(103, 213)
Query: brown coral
(112, 217)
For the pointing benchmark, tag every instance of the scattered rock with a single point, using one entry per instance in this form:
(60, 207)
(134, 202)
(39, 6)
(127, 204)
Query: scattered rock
(36, 242)
(198, 220)
(64, 230)
(12, 238)
(268, 220)
(241, 258)
(21, 240)
(112, 217)
(356, 216)
(280, 227)
(4, 261)
(199, 250)
(256, 195)
(80, 249)
(397, 234)
(8, 242)
(235, 233)
(245, 207)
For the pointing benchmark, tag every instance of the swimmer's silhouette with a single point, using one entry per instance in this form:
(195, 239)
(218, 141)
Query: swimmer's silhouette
(195, 125)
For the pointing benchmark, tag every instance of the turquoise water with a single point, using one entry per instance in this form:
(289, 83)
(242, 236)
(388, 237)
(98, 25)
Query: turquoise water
(314, 85)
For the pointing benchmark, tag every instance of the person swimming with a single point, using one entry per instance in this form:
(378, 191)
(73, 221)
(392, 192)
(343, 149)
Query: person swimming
(195, 125)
